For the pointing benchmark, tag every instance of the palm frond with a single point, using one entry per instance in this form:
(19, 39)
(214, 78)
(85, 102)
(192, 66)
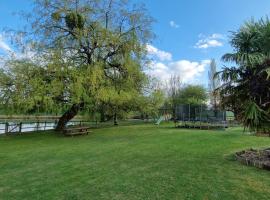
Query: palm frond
(244, 58)
(254, 117)
(228, 74)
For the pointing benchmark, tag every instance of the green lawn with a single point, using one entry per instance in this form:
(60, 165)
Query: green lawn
(131, 162)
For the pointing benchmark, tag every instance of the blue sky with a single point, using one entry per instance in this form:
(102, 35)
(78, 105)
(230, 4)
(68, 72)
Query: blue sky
(189, 32)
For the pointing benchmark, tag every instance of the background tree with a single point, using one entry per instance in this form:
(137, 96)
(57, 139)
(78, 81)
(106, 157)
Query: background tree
(246, 86)
(174, 88)
(193, 95)
(213, 85)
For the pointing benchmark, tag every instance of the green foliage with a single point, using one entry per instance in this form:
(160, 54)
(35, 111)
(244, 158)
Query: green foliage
(28, 88)
(193, 94)
(56, 16)
(254, 117)
(73, 20)
(151, 104)
(246, 87)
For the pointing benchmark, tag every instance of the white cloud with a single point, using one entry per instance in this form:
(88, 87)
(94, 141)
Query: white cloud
(204, 44)
(217, 36)
(174, 24)
(163, 67)
(214, 40)
(159, 54)
(189, 71)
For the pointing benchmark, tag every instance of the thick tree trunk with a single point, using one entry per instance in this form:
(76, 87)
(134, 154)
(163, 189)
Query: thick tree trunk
(102, 114)
(68, 115)
(115, 119)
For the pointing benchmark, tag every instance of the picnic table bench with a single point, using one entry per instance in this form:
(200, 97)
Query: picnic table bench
(73, 131)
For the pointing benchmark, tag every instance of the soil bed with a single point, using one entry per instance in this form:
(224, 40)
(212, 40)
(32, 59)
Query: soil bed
(203, 127)
(253, 157)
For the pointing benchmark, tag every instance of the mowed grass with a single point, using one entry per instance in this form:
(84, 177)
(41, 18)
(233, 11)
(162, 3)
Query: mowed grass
(131, 162)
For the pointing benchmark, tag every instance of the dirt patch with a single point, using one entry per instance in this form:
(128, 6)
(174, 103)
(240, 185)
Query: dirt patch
(253, 157)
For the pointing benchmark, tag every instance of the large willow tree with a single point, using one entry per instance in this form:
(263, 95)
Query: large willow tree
(87, 53)
(246, 86)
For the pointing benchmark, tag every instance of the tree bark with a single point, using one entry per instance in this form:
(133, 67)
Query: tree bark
(102, 114)
(68, 115)
(115, 119)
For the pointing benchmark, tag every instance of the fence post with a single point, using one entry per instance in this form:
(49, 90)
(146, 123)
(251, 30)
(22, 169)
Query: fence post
(55, 123)
(20, 127)
(6, 127)
(37, 125)
(45, 125)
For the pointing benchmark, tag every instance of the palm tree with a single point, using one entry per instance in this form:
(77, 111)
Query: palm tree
(246, 86)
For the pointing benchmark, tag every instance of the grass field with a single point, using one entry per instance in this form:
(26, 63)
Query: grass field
(131, 162)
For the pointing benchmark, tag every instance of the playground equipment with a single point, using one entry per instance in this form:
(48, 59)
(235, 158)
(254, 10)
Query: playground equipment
(165, 117)
(159, 120)
(197, 116)
(201, 117)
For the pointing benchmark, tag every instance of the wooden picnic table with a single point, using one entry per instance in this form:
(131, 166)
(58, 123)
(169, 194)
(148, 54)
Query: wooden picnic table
(80, 130)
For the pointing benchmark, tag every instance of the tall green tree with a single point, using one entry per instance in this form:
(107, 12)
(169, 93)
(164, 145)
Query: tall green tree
(174, 87)
(213, 85)
(97, 46)
(245, 88)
